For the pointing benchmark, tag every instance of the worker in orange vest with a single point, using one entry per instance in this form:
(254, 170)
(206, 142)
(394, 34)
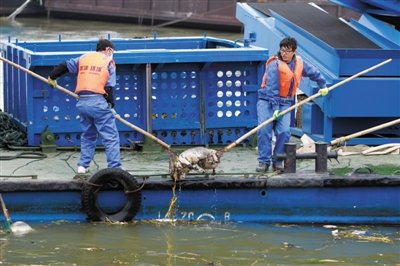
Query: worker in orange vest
(96, 77)
(281, 79)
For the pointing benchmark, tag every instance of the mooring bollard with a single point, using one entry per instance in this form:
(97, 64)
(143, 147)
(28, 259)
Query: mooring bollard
(320, 156)
(321, 162)
(290, 160)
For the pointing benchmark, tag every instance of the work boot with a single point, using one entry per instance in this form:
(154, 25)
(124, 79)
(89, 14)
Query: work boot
(278, 168)
(262, 168)
(82, 170)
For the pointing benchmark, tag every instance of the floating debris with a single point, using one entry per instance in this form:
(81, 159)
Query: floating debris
(329, 260)
(361, 235)
(108, 221)
(20, 228)
(166, 220)
(93, 249)
(329, 226)
(170, 215)
(287, 245)
(315, 261)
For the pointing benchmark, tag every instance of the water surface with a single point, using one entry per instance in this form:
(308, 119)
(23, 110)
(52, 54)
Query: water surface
(152, 243)
(28, 29)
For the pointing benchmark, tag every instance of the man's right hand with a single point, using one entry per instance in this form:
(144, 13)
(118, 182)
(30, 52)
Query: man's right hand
(277, 115)
(52, 82)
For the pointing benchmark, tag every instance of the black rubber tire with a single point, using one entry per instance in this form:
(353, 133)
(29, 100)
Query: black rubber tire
(105, 178)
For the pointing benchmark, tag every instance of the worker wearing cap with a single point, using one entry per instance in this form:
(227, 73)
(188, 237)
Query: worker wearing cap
(96, 77)
(281, 79)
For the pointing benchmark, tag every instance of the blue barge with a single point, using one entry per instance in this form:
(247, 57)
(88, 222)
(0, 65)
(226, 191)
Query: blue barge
(286, 198)
(186, 91)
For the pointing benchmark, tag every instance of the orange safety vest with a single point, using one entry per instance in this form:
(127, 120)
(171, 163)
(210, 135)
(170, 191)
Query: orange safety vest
(93, 72)
(285, 75)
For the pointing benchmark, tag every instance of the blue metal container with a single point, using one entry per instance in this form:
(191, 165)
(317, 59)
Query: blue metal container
(187, 90)
(339, 49)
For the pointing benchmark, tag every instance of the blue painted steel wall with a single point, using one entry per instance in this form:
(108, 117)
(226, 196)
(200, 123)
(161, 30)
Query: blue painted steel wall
(344, 205)
(202, 89)
(368, 101)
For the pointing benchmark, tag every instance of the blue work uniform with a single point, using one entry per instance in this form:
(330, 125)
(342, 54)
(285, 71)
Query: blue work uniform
(270, 100)
(96, 118)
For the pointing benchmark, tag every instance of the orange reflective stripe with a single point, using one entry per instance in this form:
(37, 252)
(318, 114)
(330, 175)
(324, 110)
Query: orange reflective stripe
(93, 72)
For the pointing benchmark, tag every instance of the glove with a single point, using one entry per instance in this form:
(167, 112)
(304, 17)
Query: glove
(109, 96)
(277, 115)
(323, 91)
(52, 82)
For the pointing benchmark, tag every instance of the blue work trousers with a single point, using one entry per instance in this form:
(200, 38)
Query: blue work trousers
(281, 129)
(97, 119)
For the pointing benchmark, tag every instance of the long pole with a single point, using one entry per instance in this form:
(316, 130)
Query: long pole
(7, 223)
(70, 93)
(363, 132)
(312, 97)
(18, 10)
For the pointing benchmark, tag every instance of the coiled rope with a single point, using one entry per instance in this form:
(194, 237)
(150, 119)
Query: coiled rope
(10, 134)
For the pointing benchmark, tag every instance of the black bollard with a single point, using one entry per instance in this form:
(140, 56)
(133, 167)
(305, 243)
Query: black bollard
(290, 158)
(321, 162)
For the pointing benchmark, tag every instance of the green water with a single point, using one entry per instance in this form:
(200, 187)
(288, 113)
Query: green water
(201, 244)
(28, 29)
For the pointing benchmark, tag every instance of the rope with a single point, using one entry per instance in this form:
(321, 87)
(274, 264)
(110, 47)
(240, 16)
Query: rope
(25, 155)
(93, 184)
(139, 188)
(10, 134)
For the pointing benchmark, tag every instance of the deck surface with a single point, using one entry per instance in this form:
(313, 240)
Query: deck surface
(239, 163)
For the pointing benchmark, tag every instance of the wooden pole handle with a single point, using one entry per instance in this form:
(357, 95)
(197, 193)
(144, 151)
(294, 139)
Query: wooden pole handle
(363, 132)
(312, 97)
(118, 117)
(5, 211)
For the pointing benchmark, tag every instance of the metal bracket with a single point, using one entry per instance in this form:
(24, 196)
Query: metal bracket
(48, 141)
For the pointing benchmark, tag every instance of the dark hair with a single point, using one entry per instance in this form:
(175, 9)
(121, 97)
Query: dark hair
(289, 42)
(102, 44)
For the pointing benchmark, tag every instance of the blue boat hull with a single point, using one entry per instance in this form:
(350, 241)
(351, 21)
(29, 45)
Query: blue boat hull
(338, 205)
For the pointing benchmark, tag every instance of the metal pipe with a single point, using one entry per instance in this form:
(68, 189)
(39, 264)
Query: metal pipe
(309, 155)
(148, 99)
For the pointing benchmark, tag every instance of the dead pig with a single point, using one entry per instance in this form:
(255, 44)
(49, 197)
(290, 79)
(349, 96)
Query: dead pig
(198, 158)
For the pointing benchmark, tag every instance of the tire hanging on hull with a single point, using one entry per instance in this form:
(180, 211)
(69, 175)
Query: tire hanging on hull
(110, 177)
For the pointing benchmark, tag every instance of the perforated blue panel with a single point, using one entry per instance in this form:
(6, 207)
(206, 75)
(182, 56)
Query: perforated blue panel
(203, 104)
(227, 101)
(129, 97)
(175, 102)
(55, 111)
(200, 90)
